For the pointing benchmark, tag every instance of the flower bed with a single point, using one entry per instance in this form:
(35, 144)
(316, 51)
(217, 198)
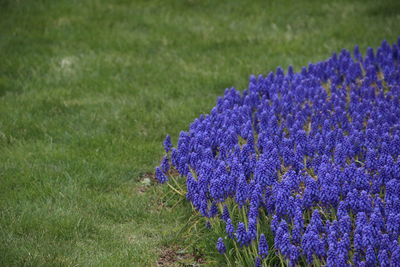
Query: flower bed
(301, 167)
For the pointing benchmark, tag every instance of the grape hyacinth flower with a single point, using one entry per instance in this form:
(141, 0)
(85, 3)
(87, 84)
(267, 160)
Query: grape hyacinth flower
(241, 234)
(167, 144)
(225, 213)
(161, 177)
(165, 164)
(230, 229)
(221, 246)
(314, 153)
(258, 262)
(263, 246)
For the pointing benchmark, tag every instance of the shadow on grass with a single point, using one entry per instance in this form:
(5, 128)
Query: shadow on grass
(385, 9)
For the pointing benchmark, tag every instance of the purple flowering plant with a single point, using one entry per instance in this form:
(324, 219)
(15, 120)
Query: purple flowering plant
(301, 167)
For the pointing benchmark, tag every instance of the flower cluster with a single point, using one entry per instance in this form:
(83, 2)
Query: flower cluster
(316, 151)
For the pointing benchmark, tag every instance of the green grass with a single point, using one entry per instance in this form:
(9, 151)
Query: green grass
(89, 89)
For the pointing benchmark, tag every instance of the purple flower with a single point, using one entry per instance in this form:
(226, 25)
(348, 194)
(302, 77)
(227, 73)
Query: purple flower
(252, 232)
(310, 195)
(395, 259)
(174, 157)
(316, 221)
(284, 245)
(161, 176)
(274, 223)
(165, 164)
(358, 248)
(310, 243)
(258, 262)
(191, 186)
(370, 256)
(332, 253)
(225, 213)
(294, 255)
(345, 224)
(368, 236)
(241, 235)
(383, 258)
(230, 229)
(263, 246)
(343, 250)
(213, 210)
(221, 246)
(295, 149)
(376, 220)
(241, 191)
(167, 144)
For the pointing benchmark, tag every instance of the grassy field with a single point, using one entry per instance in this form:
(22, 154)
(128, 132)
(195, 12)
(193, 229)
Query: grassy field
(90, 88)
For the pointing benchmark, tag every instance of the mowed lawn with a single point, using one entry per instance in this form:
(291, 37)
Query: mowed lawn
(90, 88)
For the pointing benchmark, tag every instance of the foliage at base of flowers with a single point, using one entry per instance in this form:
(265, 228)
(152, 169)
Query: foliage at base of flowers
(301, 168)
